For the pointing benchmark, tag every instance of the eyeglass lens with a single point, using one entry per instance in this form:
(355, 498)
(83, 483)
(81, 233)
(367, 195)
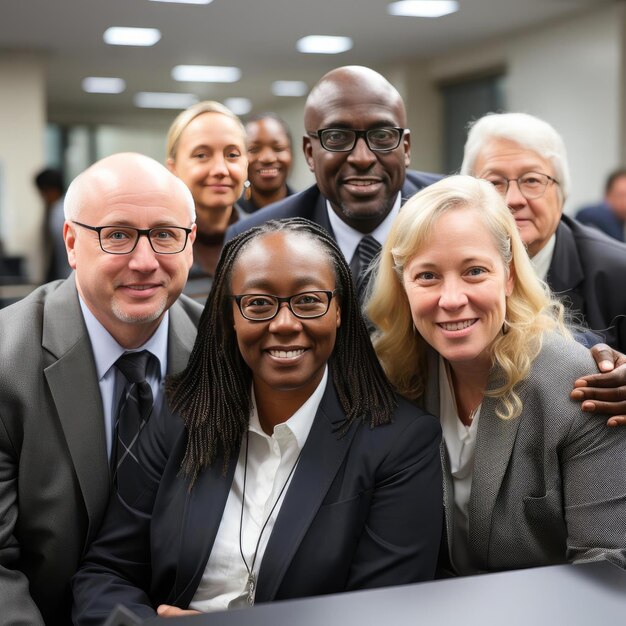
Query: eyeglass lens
(305, 305)
(120, 240)
(531, 185)
(340, 139)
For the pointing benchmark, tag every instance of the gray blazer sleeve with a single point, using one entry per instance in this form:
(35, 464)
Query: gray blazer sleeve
(550, 485)
(567, 467)
(15, 600)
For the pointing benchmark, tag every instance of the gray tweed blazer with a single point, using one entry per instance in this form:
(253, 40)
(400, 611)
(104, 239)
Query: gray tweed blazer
(549, 486)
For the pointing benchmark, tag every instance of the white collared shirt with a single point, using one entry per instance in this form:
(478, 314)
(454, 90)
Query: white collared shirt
(106, 351)
(460, 442)
(348, 238)
(270, 459)
(541, 261)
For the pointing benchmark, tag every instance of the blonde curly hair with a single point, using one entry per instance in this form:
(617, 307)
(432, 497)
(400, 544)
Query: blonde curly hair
(531, 309)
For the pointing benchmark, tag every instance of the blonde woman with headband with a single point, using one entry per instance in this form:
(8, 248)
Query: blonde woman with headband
(469, 332)
(206, 149)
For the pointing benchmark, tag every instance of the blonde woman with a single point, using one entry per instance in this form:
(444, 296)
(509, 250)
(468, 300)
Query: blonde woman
(206, 149)
(470, 332)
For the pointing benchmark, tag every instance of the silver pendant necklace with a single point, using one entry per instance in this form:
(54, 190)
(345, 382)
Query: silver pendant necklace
(251, 582)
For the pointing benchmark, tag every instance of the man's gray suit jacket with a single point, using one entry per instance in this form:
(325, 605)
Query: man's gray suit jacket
(54, 472)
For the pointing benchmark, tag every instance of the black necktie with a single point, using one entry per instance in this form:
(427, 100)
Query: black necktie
(133, 413)
(366, 251)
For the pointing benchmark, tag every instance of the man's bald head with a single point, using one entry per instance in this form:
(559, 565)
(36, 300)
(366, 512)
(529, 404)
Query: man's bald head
(125, 170)
(350, 78)
(361, 184)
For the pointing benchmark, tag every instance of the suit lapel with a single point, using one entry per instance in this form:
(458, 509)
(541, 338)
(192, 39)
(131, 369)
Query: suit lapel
(320, 215)
(73, 383)
(181, 337)
(494, 445)
(408, 190)
(321, 458)
(566, 271)
(202, 516)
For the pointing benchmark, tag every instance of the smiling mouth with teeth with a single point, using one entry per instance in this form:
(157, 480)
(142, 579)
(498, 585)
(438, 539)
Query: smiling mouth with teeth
(140, 287)
(361, 183)
(286, 354)
(457, 325)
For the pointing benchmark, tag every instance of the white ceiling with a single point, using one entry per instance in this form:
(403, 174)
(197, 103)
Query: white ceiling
(258, 36)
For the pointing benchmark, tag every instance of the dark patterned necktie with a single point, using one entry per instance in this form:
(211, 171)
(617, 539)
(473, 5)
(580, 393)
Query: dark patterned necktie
(134, 411)
(366, 251)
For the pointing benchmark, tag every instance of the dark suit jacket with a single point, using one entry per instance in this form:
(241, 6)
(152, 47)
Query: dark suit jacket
(588, 270)
(363, 510)
(54, 472)
(602, 218)
(312, 205)
(548, 486)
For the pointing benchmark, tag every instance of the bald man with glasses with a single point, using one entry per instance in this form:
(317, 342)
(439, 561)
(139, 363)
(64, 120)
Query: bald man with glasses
(83, 361)
(358, 146)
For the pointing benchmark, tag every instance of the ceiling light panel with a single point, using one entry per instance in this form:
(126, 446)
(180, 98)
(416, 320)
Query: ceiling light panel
(290, 88)
(423, 8)
(206, 73)
(239, 106)
(160, 100)
(124, 36)
(102, 84)
(323, 44)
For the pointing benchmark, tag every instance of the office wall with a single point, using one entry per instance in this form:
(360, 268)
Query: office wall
(22, 154)
(570, 74)
(423, 106)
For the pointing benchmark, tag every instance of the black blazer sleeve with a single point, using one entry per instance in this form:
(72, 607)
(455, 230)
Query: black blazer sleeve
(400, 541)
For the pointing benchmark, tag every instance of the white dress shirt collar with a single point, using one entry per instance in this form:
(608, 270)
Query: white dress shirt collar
(299, 424)
(348, 238)
(542, 260)
(460, 442)
(106, 351)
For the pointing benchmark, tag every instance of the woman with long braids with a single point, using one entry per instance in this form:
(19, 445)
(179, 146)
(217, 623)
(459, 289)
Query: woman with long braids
(296, 472)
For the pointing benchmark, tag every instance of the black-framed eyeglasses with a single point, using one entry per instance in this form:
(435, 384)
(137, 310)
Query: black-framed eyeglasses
(123, 239)
(532, 185)
(262, 307)
(380, 139)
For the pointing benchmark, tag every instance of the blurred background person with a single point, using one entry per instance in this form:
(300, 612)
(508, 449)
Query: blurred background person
(469, 331)
(51, 188)
(269, 161)
(524, 158)
(206, 149)
(610, 215)
(290, 437)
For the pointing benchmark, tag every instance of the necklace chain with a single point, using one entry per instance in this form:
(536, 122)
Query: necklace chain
(251, 582)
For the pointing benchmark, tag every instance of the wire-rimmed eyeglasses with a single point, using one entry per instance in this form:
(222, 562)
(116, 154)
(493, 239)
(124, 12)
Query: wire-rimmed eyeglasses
(123, 239)
(262, 307)
(532, 185)
(380, 139)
